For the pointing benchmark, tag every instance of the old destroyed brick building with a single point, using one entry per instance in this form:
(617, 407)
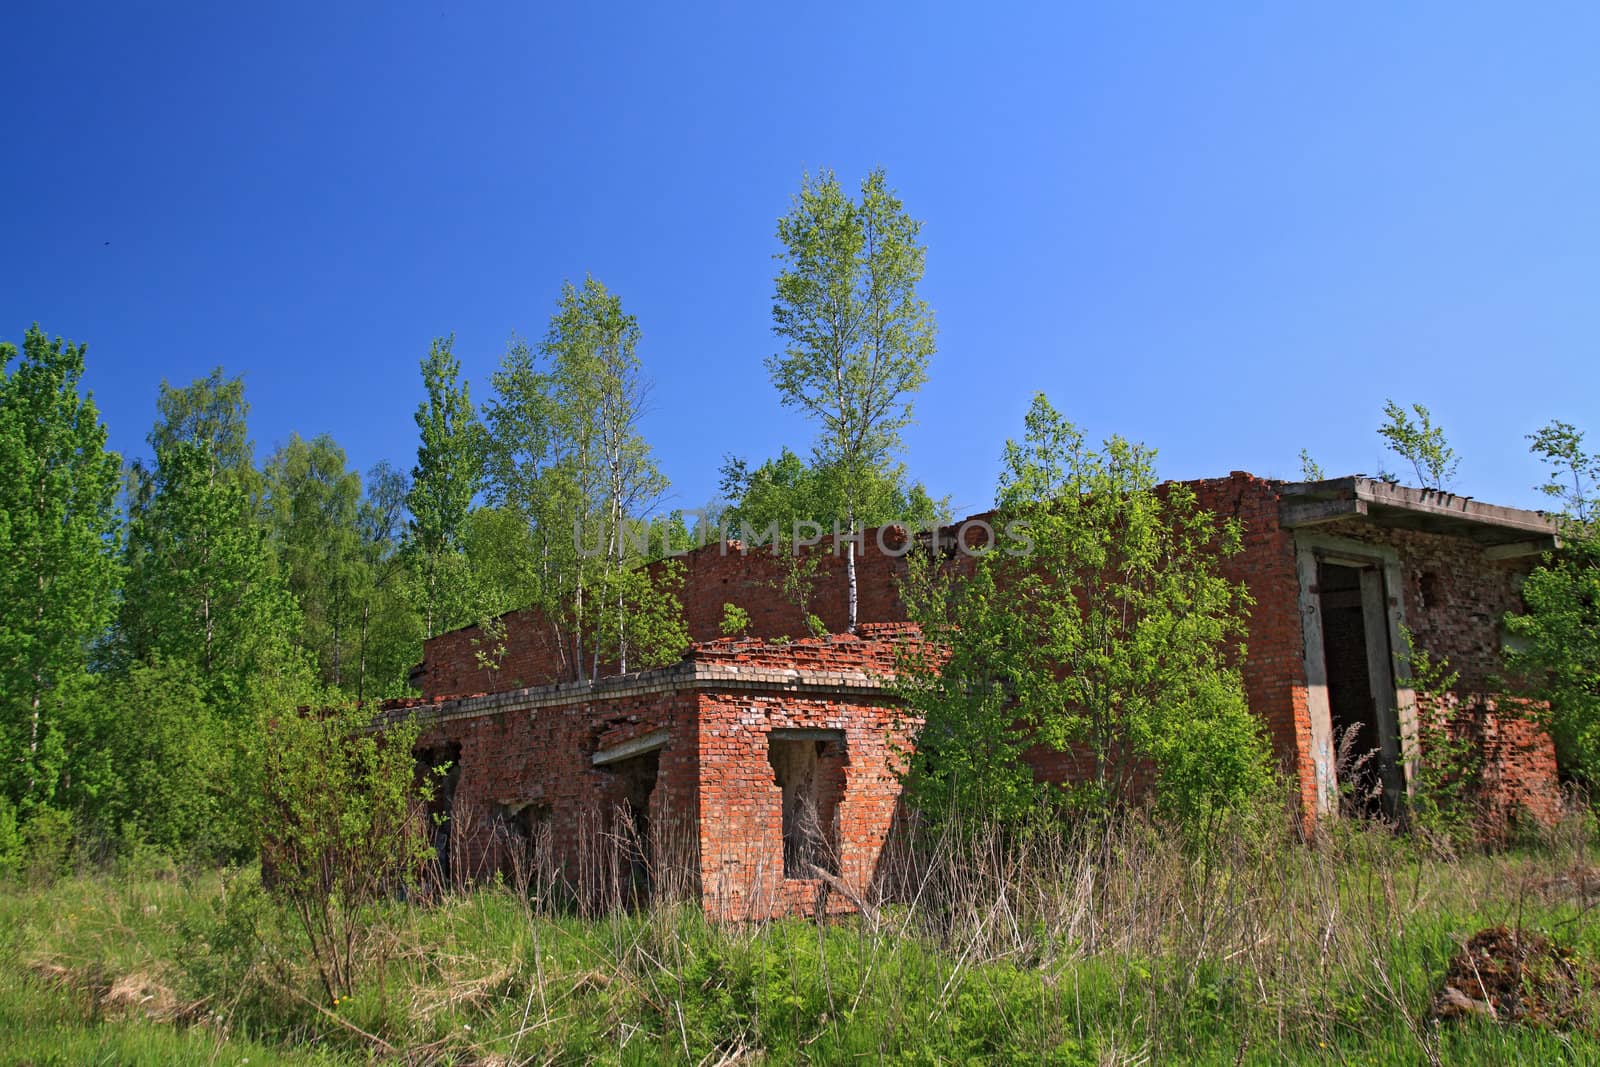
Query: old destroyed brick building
(760, 775)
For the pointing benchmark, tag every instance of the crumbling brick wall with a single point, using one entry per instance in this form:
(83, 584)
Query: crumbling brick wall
(741, 843)
(716, 810)
(511, 760)
(1273, 670)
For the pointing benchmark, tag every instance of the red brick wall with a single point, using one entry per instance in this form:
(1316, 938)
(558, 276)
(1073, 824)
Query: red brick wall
(542, 757)
(741, 834)
(713, 575)
(717, 808)
(1274, 666)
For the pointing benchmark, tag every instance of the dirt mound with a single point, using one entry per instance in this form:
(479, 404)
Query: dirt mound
(1518, 976)
(136, 994)
(140, 994)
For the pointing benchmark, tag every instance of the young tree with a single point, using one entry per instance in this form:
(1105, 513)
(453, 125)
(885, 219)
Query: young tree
(343, 829)
(1101, 630)
(787, 489)
(390, 637)
(447, 476)
(1310, 469)
(313, 501)
(212, 412)
(1557, 648)
(1421, 443)
(856, 337)
(566, 453)
(58, 552)
(203, 586)
(777, 499)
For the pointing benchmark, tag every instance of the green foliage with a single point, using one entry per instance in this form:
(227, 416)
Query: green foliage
(1114, 642)
(1573, 472)
(1310, 469)
(447, 476)
(1448, 762)
(735, 621)
(856, 337)
(1556, 641)
(204, 587)
(58, 555)
(313, 502)
(967, 761)
(389, 639)
(171, 782)
(48, 841)
(342, 828)
(1421, 443)
(566, 458)
(203, 584)
(786, 490)
(210, 412)
(10, 840)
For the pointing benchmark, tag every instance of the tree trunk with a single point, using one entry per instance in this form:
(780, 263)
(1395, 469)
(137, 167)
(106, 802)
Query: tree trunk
(850, 571)
(361, 654)
(850, 580)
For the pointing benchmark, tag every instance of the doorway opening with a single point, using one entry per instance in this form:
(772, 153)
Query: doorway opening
(439, 767)
(1359, 668)
(633, 786)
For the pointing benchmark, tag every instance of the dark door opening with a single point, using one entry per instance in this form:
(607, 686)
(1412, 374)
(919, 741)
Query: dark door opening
(635, 784)
(1361, 698)
(440, 768)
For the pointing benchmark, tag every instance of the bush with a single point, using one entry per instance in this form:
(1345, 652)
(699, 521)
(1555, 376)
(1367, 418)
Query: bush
(1103, 632)
(10, 840)
(343, 828)
(47, 840)
(735, 621)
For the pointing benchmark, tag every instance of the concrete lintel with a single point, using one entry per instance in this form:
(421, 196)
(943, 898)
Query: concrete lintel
(1292, 516)
(1536, 547)
(629, 749)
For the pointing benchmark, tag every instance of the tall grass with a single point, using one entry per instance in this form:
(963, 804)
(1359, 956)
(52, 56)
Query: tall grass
(1124, 944)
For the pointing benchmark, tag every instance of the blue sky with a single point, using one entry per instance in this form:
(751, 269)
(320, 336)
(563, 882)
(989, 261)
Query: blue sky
(1230, 231)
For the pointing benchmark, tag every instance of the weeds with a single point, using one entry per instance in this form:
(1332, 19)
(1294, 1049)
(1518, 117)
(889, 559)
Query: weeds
(1122, 944)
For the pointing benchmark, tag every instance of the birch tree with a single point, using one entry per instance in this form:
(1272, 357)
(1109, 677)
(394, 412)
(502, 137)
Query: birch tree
(856, 337)
(58, 549)
(567, 454)
(203, 584)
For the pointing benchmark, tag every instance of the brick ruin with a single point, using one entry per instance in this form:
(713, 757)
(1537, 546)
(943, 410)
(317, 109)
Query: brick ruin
(760, 774)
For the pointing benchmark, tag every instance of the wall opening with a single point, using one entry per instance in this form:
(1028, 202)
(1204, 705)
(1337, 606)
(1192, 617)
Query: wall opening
(633, 785)
(1360, 680)
(440, 767)
(808, 769)
(524, 843)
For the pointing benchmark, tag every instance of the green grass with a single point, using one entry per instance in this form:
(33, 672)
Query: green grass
(1320, 956)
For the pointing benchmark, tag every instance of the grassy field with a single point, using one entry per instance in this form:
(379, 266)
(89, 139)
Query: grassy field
(1124, 949)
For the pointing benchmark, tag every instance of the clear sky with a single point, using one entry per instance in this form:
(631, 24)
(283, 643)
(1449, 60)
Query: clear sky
(1228, 230)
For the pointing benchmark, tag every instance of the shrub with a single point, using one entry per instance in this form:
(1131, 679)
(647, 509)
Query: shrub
(10, 840)
(342, 828)
(735, 621)
(1108, 635)
(47, 840)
